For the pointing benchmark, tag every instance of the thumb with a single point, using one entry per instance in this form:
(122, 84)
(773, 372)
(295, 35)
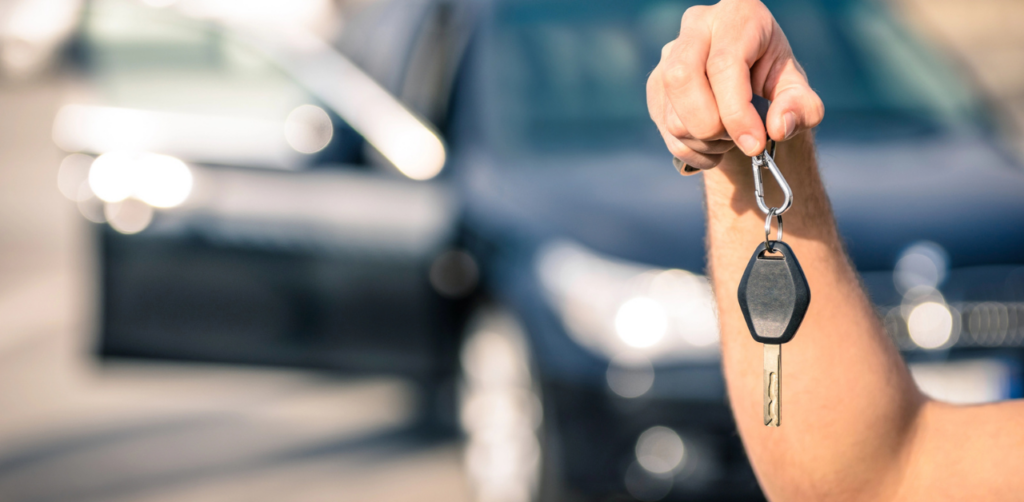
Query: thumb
(795, 106)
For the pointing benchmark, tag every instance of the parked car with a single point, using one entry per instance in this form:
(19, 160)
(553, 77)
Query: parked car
(559, 274)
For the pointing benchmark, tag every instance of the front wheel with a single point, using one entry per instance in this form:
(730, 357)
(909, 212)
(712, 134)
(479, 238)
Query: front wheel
(510, 454)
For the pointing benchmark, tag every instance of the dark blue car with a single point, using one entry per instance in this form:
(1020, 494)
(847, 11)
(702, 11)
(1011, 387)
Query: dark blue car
(562, 298)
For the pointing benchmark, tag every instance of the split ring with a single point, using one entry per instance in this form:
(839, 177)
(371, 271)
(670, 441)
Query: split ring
(768, 229)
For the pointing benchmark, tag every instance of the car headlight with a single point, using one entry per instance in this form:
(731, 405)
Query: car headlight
(621, 309)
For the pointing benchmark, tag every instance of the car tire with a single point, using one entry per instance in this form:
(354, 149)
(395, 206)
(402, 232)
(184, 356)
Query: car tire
(510, 453)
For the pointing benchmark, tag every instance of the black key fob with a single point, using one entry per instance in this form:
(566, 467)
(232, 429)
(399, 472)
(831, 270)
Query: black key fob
(774, 294)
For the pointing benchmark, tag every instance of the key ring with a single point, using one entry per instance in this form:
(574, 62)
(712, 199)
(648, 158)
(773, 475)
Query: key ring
(768, 229)
(766, 160)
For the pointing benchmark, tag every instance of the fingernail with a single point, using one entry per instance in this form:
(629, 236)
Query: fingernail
(789, 120)
(747, 143)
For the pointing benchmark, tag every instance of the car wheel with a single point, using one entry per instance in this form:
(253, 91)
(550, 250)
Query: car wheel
(509, 456)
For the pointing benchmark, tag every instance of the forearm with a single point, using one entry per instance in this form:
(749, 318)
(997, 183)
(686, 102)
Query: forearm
(849, 403)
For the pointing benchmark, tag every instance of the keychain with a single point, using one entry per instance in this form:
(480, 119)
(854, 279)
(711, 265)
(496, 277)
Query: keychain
(773, 292)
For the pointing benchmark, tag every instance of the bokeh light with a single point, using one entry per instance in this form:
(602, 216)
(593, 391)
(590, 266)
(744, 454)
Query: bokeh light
(500, 412)
(660, 450)
(111, 176)
(641, 322)
(129, 216)
(630, 376)
(162, 181)
(159, 180)
(73, 175)
(930, 325)
(308, 129)
(923, 265)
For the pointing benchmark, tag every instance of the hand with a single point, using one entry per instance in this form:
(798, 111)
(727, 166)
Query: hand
(699, 94)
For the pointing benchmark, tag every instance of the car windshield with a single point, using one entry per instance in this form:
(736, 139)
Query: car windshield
(573, 73)
(187, 86)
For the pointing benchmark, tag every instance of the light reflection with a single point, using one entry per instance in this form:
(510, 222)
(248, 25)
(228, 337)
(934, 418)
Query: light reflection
(216, 139)
(964, 382)
(500, 412)
(645, 486)
(641, 322)
(130, 216)
(403, 138)
(158, 4)
(111, 176)
(89, 206)
(272, 14)
(989, 323)
(162, 181)
(620, 308)
(930, 325)
(308, 129)
(660, 450)
(922, 265)
(454, 273)
(630, 376)
(73, 175)
(690, 303)
(159, 180)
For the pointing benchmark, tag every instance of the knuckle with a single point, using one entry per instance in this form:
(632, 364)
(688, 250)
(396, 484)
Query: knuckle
(720, 63)
(730, 114)
(676, 129)
(677, 76)
(706, 130)
(694, 13)
(667, 49)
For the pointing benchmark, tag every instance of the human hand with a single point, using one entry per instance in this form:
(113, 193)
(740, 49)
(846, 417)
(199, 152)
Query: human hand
(699, 94)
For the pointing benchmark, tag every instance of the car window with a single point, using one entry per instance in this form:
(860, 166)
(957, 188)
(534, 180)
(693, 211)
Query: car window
(206, 95)
(569, 73)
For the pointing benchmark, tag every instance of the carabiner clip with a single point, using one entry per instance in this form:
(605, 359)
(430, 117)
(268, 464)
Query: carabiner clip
(765, 160)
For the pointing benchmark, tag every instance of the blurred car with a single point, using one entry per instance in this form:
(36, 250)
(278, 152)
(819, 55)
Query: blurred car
(555, 263)
(245, 224)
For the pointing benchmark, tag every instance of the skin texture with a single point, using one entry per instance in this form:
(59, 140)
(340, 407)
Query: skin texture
(854, 425)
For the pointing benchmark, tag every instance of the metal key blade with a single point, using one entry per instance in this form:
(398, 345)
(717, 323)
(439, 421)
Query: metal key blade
(772, 374)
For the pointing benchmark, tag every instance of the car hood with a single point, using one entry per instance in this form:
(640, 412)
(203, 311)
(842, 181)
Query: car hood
(961, 193)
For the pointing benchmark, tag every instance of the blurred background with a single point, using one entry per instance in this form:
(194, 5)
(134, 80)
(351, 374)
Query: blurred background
(427, 250)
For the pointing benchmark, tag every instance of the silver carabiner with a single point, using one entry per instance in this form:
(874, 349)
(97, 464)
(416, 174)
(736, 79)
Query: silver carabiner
(765, 160)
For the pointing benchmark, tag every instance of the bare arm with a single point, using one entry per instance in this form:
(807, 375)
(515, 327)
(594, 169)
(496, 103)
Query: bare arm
(850, 404)
(856, 427)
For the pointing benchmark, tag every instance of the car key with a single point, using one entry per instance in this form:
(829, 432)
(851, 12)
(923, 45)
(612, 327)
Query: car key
(773, 292)
(774, 297)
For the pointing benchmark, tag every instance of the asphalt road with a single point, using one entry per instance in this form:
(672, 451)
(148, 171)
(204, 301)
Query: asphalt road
(73, 429)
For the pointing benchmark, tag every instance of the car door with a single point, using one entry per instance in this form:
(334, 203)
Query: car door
(258, 199)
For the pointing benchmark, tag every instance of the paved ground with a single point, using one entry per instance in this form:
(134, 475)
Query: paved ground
(73, 430)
